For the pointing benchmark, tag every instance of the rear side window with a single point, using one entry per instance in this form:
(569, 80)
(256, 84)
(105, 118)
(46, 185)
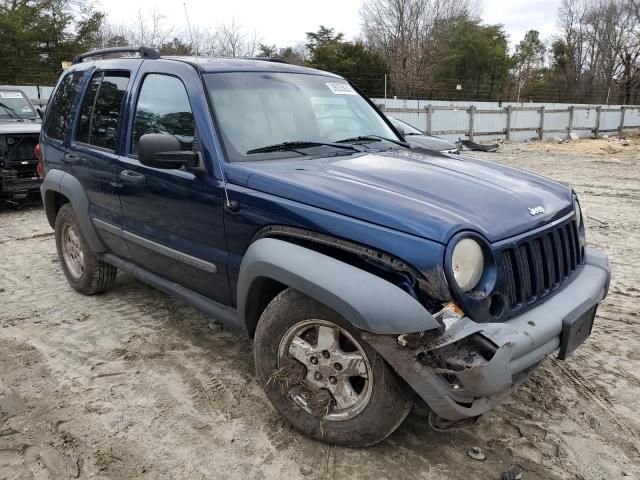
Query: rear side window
(100, 111)
(163, 107)
(60, 106)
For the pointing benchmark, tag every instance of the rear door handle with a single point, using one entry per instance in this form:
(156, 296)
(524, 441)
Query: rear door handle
(72, 159)
(129, 177)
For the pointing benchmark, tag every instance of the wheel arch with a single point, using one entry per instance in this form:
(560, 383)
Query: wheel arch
(60, 187)
(53, 202)
(271, 265)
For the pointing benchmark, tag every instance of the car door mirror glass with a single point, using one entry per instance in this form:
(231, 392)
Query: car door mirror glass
(159, 150)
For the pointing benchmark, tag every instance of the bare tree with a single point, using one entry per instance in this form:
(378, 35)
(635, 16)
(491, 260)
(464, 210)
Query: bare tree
(406, 33)
(230, 40)
(601, 46)
(623, 39)
(150, 30)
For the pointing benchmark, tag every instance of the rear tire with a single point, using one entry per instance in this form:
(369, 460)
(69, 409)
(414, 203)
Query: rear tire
(84, 272)
(322, 377)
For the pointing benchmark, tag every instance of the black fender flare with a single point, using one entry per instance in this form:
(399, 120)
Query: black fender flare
(369, 302)
(69, 186)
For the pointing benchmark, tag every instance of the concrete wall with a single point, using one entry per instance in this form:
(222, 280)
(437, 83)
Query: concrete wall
(451, 120)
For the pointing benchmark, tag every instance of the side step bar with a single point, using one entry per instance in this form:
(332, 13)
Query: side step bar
(227, 315)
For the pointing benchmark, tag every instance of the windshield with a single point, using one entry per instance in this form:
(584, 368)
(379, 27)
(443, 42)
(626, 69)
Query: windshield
(289, 112)
(13, 105)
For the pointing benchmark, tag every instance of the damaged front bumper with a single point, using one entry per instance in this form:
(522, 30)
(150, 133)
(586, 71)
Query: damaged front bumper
(471, 367)
(12, 183)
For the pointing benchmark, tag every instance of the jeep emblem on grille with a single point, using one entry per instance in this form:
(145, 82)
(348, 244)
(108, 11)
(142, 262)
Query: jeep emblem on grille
(536, 210)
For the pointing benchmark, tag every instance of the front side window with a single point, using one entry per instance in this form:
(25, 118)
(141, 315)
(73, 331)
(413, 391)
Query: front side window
(257, 109)
(59, 107)
(163, 107)
(101, 107)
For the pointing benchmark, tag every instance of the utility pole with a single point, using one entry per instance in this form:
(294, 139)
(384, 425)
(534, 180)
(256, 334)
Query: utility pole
(385, 90)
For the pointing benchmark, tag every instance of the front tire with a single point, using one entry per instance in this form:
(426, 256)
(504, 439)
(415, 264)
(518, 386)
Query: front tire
(84, 272)
(322, 377)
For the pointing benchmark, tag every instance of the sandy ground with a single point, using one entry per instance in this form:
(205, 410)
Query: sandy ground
(134, 385)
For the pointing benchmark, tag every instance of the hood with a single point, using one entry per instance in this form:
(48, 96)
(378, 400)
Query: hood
(430, 195)
(19, 128)
(429, 142)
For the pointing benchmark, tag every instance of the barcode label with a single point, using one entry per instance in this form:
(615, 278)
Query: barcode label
(341, 88)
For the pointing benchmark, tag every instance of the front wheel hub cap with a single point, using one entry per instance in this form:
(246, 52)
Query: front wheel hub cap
(335, 363)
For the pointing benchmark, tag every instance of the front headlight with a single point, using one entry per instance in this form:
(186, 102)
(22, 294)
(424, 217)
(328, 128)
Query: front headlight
(467, 263)
(578, 213)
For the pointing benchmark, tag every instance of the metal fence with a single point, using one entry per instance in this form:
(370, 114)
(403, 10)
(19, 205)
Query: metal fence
(488, 120)
(517, 122)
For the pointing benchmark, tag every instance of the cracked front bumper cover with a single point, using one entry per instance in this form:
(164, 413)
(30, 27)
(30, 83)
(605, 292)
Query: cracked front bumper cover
(10, 182)
(472, 367)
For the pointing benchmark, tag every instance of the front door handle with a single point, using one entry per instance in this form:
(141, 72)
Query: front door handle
(129, 177)
(72, 159)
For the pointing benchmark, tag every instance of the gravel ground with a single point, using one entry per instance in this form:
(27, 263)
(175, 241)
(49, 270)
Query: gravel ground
(132, 384)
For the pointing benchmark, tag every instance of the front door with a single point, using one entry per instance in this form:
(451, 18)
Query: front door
(173, 218)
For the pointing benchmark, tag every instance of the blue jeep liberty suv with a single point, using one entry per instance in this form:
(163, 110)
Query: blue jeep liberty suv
(279, 200)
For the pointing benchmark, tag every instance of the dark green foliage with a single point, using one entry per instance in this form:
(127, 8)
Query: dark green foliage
(475, 56)
(176, 47)
(288, 54)
(353, 60)
(37, 35)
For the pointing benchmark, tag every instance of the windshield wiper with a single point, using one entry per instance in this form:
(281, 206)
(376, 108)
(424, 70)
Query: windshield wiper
(296, 145)
(12, 113)
(374, 138)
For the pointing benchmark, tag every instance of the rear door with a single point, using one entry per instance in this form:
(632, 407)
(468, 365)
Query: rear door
(173, 219)
(58, 114)
(92, 156)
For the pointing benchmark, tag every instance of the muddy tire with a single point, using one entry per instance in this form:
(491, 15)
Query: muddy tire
(322, 377)
(84, 272)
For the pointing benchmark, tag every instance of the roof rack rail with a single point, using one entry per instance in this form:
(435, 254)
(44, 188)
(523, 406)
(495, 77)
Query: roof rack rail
(145, 52)
(267, 59)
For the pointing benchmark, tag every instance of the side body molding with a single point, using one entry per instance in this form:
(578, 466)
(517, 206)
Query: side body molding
(70, 187)
(367, 301)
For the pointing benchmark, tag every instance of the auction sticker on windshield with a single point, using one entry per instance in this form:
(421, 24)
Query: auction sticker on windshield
(10, 95)
(341, 88)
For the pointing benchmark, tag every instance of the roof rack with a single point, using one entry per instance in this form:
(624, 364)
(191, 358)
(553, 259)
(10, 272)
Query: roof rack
(145, 52)
(266, 59)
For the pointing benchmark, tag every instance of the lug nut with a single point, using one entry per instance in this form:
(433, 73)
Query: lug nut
(326, 354)
(314, 360)
(318, 376)
(332, 380)
(337, 366)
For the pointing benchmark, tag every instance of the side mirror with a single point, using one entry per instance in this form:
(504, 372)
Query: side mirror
(397, 126)
(40, 112)
(160, 150)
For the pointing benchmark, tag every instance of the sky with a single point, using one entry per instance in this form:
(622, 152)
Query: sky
(284, 22)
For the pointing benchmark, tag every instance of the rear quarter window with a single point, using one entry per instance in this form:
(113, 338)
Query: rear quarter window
(101, 107)
(60, 106)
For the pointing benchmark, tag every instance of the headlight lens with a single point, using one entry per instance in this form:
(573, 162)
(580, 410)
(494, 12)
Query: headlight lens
(467, 263)
(578, 213)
